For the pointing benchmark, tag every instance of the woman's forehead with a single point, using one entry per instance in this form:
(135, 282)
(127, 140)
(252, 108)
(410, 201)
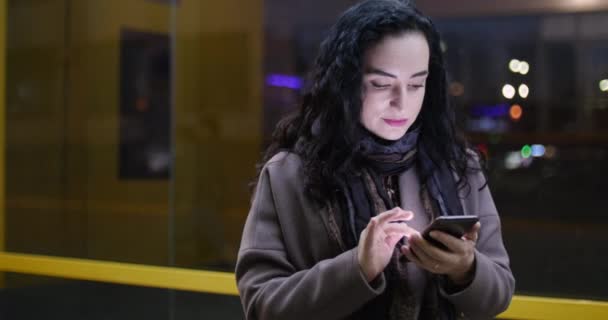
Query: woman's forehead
(401, 55)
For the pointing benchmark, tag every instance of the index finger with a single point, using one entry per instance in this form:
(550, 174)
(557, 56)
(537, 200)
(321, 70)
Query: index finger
(394, 215)
(453, 244)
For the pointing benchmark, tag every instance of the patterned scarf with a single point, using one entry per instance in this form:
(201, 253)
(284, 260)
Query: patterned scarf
(365, 195)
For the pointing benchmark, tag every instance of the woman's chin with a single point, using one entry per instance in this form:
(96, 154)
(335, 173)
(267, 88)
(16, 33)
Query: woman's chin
(392, 134)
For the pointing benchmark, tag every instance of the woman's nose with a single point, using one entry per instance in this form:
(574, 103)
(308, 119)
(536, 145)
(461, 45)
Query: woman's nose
(399, 97)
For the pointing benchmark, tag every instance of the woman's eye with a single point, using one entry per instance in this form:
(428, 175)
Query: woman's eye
(380, 85)
(416, 86)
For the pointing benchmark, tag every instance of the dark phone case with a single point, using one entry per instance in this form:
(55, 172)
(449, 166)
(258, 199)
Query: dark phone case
(456, 226)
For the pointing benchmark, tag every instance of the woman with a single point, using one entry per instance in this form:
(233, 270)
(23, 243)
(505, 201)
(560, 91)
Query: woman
(326, 236)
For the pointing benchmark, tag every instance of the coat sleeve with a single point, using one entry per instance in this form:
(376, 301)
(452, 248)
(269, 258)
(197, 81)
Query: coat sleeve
(493, 284)
(271, 287)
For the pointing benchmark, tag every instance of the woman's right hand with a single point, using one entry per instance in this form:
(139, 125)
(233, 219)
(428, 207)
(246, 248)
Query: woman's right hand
(378, 240)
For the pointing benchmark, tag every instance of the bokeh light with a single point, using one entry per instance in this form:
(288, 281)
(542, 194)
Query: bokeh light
(524, 68)
(513, 160)
(515, 112)
(456, 89)
(604, 85)
(514, 65)
(523, 90)
(483, 148)
(538, 150)
(550, 152)
(508, 91)
(526, 151)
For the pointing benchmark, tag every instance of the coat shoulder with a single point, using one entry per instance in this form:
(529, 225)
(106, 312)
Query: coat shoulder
(284, 166)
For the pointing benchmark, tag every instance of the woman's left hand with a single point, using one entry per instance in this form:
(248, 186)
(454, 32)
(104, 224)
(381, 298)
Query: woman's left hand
(457, 262)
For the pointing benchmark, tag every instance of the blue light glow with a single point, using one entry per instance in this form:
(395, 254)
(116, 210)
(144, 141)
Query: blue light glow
(495, 111)
(284, 81)
(538, 150)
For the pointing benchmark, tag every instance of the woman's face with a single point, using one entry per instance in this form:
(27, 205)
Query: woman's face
(394, 78)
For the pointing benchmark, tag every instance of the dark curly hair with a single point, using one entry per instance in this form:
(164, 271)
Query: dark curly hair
(332, 104)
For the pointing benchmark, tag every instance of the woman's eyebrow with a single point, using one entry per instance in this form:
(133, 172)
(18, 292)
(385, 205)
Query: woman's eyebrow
(380, 72)
(420, 74)
(386, 74)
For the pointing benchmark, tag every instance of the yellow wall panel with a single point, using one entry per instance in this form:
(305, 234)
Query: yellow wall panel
(64, 187)
(218, 125)
(35, 109)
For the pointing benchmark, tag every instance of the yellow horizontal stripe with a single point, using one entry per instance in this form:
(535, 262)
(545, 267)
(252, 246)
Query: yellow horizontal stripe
(522, 307)
(122, 273)
(539, 308)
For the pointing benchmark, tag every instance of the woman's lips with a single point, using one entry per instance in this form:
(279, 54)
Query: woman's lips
(395, 122)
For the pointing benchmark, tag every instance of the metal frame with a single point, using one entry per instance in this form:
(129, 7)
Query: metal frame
(522, 307)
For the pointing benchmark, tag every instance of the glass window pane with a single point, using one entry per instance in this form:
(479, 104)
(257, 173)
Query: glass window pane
(218, 105)
(133, 132)
(87, 135)
(133, 127)
(546, 164)
(547, 146)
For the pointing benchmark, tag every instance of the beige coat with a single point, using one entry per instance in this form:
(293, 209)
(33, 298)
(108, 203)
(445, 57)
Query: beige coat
(289, 267)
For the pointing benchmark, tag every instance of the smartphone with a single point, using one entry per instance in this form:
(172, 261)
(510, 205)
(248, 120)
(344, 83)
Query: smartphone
(456, 226)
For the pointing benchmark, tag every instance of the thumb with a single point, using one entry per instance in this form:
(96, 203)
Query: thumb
(473, 234)
(392, 240)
